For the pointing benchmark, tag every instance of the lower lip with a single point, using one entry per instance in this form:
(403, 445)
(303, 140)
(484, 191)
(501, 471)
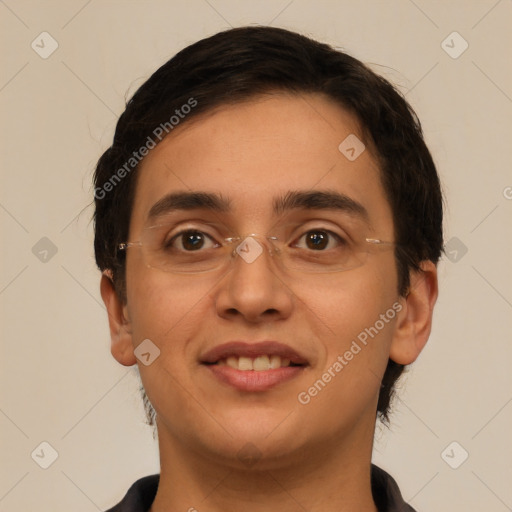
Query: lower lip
(251, 380)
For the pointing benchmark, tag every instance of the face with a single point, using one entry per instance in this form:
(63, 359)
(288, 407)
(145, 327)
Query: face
(210, 326)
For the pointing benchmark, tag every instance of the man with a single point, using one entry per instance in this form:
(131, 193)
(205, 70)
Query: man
(268, 223)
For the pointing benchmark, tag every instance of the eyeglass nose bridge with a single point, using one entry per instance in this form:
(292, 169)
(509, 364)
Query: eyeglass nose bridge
(250, 247)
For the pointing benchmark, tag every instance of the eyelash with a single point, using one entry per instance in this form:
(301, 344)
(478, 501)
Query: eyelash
(168, 244)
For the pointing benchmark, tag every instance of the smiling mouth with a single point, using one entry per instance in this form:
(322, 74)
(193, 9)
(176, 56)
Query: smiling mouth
(254, 367)
(259, 364)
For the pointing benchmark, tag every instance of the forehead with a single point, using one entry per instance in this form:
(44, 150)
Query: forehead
(256, 151)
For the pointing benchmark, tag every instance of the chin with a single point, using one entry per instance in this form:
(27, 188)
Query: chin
(261, 441)
(256, 454)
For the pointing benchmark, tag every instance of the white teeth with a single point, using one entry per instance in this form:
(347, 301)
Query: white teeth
(275, 362)
(259, 364)
(232, 361)
(245, 363)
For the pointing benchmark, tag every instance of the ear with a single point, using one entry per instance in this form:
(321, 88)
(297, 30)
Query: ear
(120, 329)
(414, 321)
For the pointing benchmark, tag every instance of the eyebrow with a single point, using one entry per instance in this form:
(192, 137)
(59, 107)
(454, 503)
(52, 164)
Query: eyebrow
(292, 200)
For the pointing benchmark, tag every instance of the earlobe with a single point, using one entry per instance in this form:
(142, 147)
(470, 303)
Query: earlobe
(121, 345)
(414, 321)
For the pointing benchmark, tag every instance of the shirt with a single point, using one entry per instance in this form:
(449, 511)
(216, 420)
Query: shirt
(386, 494)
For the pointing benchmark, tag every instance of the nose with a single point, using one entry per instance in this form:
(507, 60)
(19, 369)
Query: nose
(253, 289)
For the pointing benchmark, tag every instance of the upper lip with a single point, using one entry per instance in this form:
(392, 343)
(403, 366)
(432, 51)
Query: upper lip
(248, 349)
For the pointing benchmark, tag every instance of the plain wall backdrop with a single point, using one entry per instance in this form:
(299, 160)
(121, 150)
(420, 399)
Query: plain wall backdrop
(59, 383)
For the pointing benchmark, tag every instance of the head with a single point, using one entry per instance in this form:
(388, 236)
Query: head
(247, 114)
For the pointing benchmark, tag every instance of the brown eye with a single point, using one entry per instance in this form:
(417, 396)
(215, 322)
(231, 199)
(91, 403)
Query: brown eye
(319, 240)
(190, 241)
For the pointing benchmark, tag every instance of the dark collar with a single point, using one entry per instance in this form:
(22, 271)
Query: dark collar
(386, 494)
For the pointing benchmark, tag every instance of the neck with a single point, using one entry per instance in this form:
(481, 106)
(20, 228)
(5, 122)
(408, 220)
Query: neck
(328, 477)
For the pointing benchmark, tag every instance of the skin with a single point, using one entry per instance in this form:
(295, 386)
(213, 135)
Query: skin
(311, 457)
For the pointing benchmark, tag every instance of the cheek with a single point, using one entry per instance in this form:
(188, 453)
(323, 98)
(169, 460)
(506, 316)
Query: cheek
(345, 386)
(350, 301)
(165, 308)
(355, 320)
(170, 312)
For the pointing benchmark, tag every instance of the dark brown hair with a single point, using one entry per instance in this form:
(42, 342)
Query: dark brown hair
(238, 64)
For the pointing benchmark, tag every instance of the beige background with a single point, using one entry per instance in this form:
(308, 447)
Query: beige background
(58, 381)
